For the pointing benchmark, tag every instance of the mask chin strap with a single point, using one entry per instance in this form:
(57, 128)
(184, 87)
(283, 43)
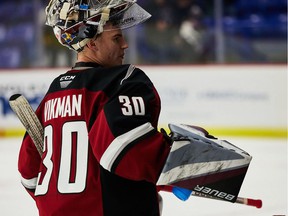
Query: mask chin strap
(80, 45)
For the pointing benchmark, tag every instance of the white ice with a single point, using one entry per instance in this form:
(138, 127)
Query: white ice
(266, 179)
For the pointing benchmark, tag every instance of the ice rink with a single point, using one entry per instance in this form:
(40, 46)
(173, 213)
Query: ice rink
(266, 179)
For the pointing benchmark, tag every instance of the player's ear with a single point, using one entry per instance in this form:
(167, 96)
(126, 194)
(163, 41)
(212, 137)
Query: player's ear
(92, 44)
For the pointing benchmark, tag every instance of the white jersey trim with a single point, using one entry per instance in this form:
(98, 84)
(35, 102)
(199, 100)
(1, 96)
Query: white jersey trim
(121, 142)
(29, 183)
(129, 72)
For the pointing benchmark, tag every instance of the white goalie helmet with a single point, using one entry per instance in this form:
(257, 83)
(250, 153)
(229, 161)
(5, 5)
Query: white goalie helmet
(75, 22)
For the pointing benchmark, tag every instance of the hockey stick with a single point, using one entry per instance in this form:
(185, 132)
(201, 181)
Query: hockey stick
(30, 121)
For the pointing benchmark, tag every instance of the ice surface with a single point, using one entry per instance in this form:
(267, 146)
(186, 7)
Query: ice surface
(266, 179)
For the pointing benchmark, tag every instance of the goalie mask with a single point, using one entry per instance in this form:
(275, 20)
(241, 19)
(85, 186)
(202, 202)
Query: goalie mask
(75, 22)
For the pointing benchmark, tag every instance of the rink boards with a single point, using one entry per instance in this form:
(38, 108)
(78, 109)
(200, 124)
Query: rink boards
(231, 100)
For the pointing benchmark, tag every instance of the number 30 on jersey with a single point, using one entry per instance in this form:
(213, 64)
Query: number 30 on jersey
(132, 105)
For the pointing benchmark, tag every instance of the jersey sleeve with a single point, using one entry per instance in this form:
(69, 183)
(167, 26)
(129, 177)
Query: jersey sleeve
(28, 164)
(124, 136)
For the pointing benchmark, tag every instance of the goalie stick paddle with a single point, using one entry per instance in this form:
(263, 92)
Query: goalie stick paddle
(29, 119)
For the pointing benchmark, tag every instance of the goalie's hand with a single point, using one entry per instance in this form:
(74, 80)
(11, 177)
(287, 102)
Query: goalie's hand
(173, 136)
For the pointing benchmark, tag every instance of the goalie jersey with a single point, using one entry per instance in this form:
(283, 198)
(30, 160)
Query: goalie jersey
(102, 151)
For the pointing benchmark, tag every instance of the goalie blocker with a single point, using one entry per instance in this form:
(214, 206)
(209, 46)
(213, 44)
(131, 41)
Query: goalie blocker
(204, 164)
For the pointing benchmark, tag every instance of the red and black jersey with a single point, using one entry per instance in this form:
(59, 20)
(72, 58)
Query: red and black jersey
(102, 151)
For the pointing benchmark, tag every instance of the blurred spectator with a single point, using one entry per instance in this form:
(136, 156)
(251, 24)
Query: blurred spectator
(200, 40)
(158, 41)
(181, 10)
(174, 34)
